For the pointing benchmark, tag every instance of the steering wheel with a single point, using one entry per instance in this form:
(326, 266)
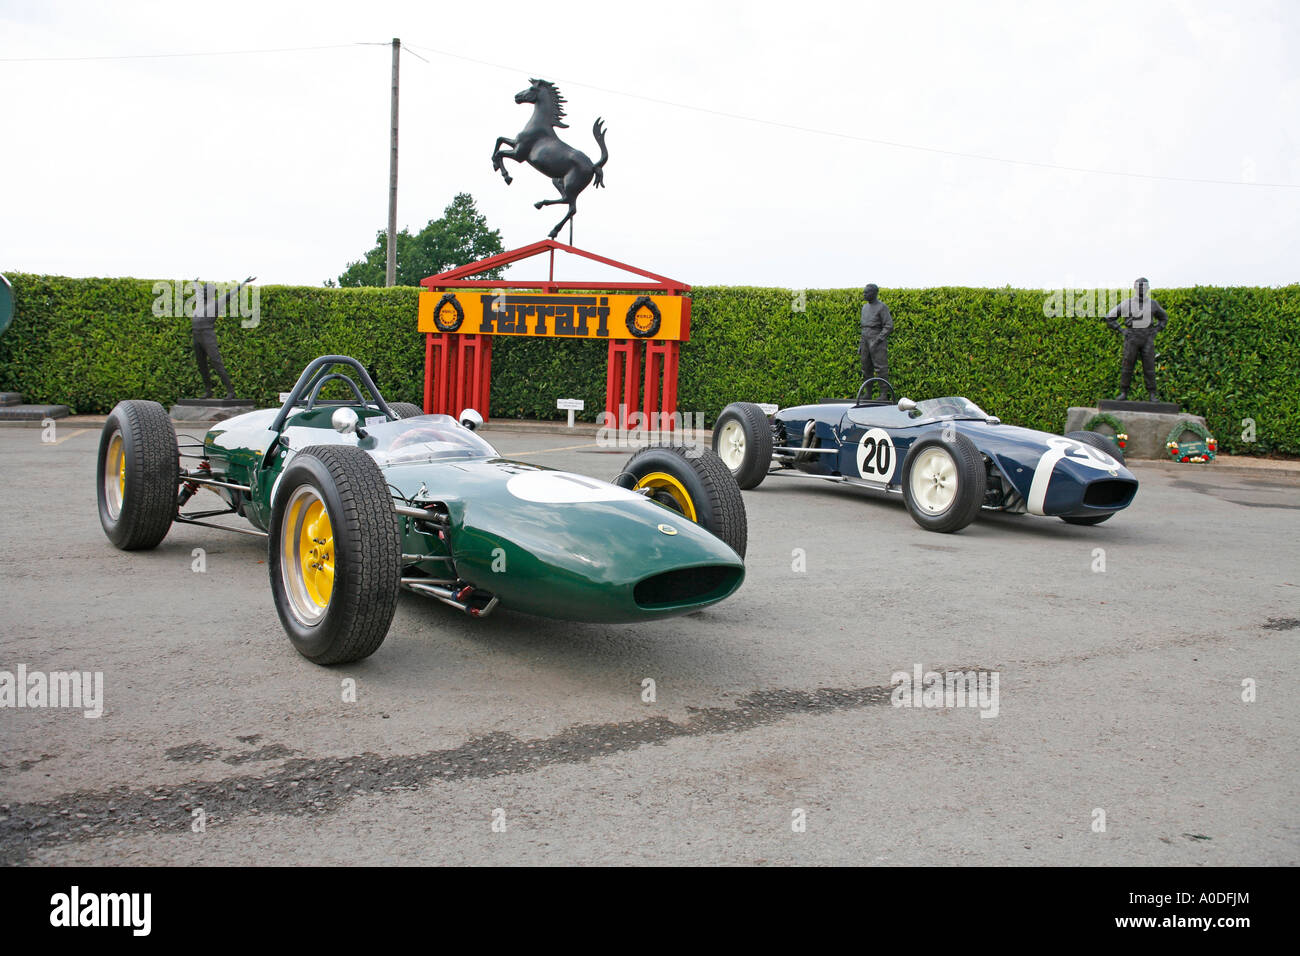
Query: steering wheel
(324, 379)
(418, 436)
(857, 400)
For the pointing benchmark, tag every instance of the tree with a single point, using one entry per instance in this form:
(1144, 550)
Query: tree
(461, 236)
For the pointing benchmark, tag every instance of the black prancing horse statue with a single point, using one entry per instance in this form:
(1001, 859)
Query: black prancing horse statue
(570, 169)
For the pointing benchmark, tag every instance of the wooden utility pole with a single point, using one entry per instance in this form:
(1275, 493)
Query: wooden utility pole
(390, 275)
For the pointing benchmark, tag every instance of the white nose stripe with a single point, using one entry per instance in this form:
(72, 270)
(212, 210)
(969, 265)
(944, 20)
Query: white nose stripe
(1058, 448)
(1042, 478)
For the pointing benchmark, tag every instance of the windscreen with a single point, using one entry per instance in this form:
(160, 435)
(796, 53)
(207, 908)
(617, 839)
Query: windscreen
(423, 438)
(953, 406)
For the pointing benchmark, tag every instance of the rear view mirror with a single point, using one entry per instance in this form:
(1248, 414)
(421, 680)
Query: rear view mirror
(344, 421)
(906, 405)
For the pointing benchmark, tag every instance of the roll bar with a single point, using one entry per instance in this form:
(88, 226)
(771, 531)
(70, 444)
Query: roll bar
(308, 378)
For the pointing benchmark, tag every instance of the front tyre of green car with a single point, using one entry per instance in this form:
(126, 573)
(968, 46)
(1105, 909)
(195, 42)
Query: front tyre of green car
(335, 554)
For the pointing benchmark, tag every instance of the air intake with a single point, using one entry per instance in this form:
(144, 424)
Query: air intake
(1107, 493)
(687, 586)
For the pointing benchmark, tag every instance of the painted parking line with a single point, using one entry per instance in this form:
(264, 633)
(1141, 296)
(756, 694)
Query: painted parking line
(543, 451)
(60, 441)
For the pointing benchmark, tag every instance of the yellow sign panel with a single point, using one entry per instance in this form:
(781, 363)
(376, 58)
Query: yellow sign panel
(567, 315)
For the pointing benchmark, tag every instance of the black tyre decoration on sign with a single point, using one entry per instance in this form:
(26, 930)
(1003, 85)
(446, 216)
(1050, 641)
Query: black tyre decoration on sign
(634, 310)
(447, 297)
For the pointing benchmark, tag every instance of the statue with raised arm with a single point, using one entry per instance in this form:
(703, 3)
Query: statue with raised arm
(209, 304)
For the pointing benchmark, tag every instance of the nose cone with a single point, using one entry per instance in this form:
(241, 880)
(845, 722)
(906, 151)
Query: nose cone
(567, 546)
(1088, 486)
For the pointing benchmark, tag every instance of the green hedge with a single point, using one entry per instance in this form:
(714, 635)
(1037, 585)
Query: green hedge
(1229, 353)
(89, 342)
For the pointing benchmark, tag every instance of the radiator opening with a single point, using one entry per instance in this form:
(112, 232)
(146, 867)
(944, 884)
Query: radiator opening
(687, 586)
(1109, 494)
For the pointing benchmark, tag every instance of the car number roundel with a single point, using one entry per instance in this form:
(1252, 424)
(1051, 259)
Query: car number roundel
(876, 457)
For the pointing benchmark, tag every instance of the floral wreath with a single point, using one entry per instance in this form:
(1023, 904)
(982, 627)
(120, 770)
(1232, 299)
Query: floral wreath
(1193, 451)
(1120, 437)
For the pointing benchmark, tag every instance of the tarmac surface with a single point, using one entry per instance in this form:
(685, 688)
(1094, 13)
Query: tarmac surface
(1121, 735)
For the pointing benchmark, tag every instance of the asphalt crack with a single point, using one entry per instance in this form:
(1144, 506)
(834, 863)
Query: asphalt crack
(308, 786)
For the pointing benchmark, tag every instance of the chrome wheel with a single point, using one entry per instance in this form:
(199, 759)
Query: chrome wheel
(307, 555)
(934, 481)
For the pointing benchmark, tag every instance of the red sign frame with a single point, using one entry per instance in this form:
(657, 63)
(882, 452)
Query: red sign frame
(457, 367)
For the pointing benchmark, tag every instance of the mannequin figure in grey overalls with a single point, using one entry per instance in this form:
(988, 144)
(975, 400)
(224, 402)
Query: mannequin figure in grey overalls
(873, 347)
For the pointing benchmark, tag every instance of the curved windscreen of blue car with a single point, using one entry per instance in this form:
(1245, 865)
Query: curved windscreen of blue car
(424, 438)
(946, 409)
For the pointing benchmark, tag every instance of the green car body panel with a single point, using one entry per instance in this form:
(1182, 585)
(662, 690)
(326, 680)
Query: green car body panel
(542, 541)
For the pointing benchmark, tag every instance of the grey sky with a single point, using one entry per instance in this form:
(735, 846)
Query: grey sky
(277, 164)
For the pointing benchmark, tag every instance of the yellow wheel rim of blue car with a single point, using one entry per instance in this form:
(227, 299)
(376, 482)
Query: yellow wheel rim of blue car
(661, 482)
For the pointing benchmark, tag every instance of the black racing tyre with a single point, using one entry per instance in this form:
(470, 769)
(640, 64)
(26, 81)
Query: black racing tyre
(1100, 442)
(406, 409)
(943, 482)
(694, 482)
(656, 317)
(335, 554)
(1090, 519)
(138, 475)
(742, 438)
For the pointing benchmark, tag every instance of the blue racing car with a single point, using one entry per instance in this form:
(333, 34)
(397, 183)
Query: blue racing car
(947, 457)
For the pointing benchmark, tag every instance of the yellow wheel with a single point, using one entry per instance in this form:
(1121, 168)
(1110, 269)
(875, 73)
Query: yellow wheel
(693, 482)
(115, 476)
(667, 490)
(307, 555)
(335, 555)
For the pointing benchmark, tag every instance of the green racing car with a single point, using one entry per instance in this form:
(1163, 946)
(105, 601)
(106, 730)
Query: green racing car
(359, 499)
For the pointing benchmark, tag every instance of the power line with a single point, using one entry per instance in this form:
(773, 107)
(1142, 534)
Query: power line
(893, 144)
(405, 48)
(168, 56)
(758, 120)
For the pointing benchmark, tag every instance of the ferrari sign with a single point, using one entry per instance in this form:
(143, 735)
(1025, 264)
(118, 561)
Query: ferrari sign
(564, 315)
